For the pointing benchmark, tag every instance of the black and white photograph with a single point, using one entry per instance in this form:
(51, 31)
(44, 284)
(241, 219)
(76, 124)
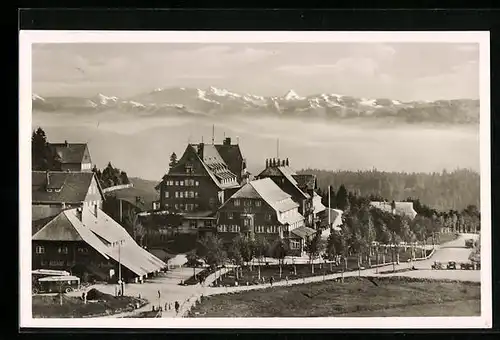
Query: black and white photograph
(290, 179)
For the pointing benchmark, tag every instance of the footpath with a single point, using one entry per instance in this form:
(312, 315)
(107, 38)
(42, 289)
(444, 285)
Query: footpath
(207, 291)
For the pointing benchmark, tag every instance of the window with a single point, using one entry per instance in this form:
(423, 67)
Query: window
(259, 229)
(186, 194)
(197, 183)
(268, 217)
(222, 228)
(176, 194)
(83, 250)
(196, 194)
(196, 205)
(272, 229)
(192, 224)
(181, 194)
(247, 203)
(56, 263)
(229, 215)
(181, 183)
(208, 224)
(40, 250)
(246, 222)
(170, 182)
(234, 228)
(257, 203)
(176, 206)
(294, 244)
(189, 168)
(62, 250)
(176, 182)
(191, 194)
(167, 195)
(181, 206)
(236, 203)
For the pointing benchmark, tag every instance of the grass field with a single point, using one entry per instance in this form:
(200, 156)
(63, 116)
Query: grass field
(45, 306)
(302, 270)
(388, 296)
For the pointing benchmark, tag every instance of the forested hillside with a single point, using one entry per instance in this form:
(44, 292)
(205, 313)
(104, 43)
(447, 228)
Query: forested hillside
(442, 191)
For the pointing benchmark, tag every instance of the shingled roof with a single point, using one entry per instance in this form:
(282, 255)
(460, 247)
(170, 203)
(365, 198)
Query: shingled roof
(231, 154)
(215, 165)
(68, 187)
(305, 181)
(68, 152)
(100, 232)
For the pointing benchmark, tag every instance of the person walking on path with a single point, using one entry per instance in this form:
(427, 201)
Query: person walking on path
(176, 307)
(271, 280)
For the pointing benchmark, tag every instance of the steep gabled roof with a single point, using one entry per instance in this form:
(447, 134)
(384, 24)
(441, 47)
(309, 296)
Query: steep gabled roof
(58, 228)
(232, 156)
(68, 187)
(215, 166)
(288, 173)
(68, 152)
(305, 181)
(99, 232)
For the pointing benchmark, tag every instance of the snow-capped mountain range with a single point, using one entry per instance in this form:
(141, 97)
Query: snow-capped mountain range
(217, 101)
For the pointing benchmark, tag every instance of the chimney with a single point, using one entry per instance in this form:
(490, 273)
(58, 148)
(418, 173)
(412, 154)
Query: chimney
(227, 141)
(200, 150)
(283, 162)
(278, 162)
(66, 143)
(96, 209)
(79, 213)
(287, 163)
(267, 163)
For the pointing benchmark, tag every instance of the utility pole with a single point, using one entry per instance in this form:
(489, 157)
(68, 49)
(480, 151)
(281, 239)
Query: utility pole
(329, 207)
(213, 134)
(278, 148)
(120, 268)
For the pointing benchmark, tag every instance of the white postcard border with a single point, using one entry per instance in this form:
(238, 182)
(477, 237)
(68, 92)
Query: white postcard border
(25, 128)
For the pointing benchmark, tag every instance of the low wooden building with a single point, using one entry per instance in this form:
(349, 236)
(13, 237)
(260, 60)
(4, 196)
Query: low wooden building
(90, 244)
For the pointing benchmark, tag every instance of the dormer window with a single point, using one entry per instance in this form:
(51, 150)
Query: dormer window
(57, 190)
(49, 190)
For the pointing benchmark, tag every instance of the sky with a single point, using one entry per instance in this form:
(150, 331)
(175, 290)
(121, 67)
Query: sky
(403, 71)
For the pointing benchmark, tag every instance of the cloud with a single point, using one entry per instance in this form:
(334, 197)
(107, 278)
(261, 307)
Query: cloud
(352, 66)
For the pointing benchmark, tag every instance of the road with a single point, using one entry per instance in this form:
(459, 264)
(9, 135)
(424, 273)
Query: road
(171, 291)
(451, 251)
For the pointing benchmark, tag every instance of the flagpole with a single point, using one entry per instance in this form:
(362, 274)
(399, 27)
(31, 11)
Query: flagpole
(329, 206)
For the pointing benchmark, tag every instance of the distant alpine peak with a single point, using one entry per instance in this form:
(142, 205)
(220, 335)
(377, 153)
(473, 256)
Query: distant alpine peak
(222, 92)
(292, 95)
(34, 96)
(105, 99)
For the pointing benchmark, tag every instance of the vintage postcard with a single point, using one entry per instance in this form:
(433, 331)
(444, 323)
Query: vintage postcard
(278, 179)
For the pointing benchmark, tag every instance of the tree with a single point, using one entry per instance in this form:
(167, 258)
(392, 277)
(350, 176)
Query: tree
(124, 178)
(342, 198)
(210, 249)
(192, 261)
(334, 246)
(261, 247)
(279, 250)
(247, 249)
(313, 248)
(40, 153)
(234, 254)
(173, 160)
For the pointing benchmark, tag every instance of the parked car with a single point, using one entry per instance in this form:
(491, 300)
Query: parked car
(437, 265)
(469, 243)
(451, 265)
(467, 266)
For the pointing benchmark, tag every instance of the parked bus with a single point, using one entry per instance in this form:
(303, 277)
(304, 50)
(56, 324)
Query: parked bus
(56, 284)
